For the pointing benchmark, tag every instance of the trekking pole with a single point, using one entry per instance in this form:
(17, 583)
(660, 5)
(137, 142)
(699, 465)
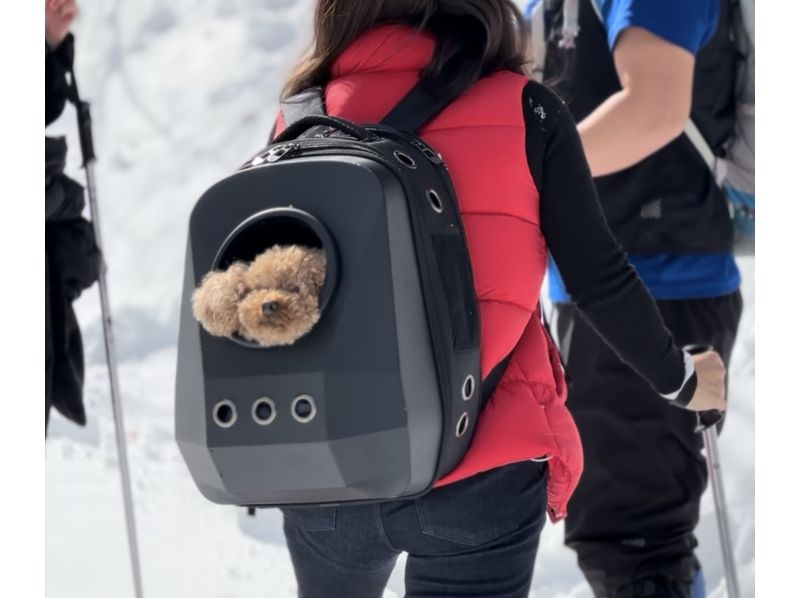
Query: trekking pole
(89, 159)
(707, 425)
(726, 540)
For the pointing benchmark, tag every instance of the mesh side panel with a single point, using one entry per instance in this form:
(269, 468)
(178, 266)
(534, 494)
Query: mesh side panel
(457, 286)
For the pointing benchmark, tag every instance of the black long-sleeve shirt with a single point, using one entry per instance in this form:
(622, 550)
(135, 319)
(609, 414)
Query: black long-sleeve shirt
(595, 269)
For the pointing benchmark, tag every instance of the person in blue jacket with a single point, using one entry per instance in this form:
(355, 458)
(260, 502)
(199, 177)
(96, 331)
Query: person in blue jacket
(638, 75)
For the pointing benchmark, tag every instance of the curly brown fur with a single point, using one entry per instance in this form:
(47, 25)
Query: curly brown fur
(293, 316)
(293, 268)
(274, 300)
(215, 302)
(283, 305)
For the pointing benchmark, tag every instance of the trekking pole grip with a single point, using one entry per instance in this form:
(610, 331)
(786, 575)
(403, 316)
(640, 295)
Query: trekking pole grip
(705, 419)
(85, 132)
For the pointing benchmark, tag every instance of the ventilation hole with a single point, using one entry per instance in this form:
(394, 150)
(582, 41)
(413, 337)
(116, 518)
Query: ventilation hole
(264, 411)
(468, 388)
(304, 408)
(436, 201)
(225, 414)
(463, 422)
(405, 159)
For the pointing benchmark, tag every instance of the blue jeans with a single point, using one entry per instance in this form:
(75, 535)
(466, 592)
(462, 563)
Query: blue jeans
(476, 538)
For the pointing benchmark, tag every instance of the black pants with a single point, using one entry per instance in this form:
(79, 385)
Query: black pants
(474, 538)
(634, 512)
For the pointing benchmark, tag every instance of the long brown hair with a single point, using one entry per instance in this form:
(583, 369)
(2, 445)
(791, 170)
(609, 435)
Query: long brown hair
(486, 36)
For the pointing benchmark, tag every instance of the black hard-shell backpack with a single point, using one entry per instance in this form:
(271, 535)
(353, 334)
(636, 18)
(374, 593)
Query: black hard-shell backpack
(381, 398)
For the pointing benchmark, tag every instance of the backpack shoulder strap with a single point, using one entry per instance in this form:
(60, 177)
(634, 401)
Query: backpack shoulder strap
(701, 145)
(540, 18)
(418, 107)
(489, 384)
(424, 102)
(538, 40)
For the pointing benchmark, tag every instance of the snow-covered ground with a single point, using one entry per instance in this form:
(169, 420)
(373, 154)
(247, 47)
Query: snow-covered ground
(183, 91)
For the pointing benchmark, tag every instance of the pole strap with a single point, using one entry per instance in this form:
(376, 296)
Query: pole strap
(84, 119)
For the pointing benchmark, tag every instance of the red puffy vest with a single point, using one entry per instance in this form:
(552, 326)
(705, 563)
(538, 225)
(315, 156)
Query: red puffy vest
(481, 136)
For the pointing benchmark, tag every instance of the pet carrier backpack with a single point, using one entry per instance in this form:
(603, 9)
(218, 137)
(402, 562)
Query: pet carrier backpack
(381, 398)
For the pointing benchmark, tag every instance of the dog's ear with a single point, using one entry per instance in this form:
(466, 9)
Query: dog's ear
(237, 273)
(314, 267)
(231, 281)
(215, 302)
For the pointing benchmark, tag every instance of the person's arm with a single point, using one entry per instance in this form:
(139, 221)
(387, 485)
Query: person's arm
(596, 272)
(650, 110)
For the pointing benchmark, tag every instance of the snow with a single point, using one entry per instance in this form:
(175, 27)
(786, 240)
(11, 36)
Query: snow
(183, 91)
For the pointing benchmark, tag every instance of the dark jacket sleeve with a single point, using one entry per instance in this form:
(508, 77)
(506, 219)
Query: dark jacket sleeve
(595, 270)
(73, 257)
(57, 63)
(63, 197)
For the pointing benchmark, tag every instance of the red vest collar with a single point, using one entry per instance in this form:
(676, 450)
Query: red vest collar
(386, 48)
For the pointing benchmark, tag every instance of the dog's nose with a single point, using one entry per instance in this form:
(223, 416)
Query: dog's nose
(269, 307)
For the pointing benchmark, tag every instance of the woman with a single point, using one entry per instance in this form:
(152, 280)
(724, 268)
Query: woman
(523, 188)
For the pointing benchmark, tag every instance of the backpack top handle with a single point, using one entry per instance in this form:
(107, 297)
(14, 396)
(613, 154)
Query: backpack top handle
(297, 128)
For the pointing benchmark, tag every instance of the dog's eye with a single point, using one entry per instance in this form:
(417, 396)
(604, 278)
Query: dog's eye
(294, 289)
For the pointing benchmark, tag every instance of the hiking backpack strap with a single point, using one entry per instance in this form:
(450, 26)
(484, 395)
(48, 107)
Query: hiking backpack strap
(701, 145)
(743, 49)
(538, 40)
(539, 16)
